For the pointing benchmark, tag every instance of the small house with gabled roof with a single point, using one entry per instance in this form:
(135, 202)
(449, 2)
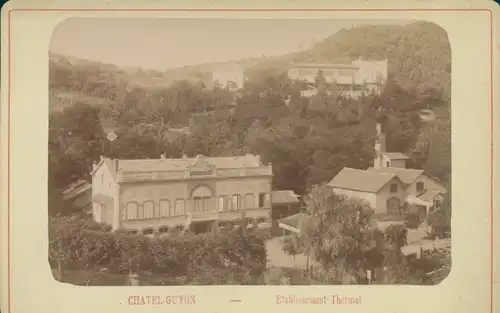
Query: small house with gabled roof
(384, 192)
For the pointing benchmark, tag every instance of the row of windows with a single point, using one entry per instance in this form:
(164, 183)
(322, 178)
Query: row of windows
(161, 230)
(237, 202)
(200, 204)
(150, 210)
(179, 228)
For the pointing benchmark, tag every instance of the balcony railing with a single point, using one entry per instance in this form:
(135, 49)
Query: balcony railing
(187, 174)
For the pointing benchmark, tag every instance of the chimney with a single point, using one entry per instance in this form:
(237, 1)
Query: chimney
(116, 164)
(259, 161)
(184, 156)
(380, 140)
(94, 165)
(162, 156)
(102, 157)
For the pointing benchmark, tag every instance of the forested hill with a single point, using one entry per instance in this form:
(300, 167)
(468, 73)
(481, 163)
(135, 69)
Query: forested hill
(308, 142)
(419, 54)
(419, 57)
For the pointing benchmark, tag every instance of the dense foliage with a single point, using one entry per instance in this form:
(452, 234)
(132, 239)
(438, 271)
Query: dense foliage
(342, 235)
(76, 244)
(307, 140)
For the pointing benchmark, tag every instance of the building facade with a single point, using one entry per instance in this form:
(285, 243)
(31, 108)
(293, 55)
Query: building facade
(359, 77)
(389, 187)
(225, 75)
(164, 195)
(385, 193)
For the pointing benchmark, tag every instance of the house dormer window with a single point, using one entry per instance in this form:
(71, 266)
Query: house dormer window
(420, 186)
(394, 188)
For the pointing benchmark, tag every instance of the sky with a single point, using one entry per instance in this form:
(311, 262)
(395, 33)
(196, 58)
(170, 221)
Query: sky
(165, 43)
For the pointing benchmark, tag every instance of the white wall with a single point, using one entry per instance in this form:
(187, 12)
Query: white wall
(429, 184)
(385, 194)
(224, 75)
(244, 186)
(104, 184)
(398, 163)
(171, 191)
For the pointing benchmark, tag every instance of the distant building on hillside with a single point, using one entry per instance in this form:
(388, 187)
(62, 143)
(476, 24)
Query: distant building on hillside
(224, 75)
(353, 79)
(162, 195)
(389, 187)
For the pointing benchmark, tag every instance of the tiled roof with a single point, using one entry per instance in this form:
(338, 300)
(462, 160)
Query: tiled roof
(297, 220)
(146, 165)
(396, 156)
(354, 179)
(284, 197)
(325, 65)
(101, 199)
(76, 189)
(407, 176)
(429, 195)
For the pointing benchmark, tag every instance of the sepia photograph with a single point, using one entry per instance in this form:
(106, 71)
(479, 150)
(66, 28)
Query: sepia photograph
(204, 151)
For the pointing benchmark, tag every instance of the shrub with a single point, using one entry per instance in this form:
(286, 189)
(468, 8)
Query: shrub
(412, 220)
(74, 245)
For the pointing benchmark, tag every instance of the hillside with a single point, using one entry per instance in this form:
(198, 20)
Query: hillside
(419, 57)
(307, 142)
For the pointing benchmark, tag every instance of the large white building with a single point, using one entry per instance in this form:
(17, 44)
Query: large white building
(157, 195)
(225, 75)
(361, 76)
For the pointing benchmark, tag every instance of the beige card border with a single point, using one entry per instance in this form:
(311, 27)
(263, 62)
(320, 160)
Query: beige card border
(463, 292)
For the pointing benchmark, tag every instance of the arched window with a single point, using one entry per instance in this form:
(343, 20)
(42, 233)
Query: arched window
(249, 201)
(236, 203)
(164, 208)
(148, 207)
(223, 206)
(140, 212)
(132, 209)
(202, 196)
(179, 207)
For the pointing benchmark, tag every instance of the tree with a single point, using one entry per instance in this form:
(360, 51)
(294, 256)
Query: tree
(341, 233)
(343, 236)
(291, 245)
(440, 219)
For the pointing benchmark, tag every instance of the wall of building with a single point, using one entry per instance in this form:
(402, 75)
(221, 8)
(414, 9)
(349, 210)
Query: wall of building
(160, 196)
(104, 184)
(244, 186)
(155, 201)
(155, 223)
(385, 194)
(224, 75)
(429, 184)
(398, 163)
(369, 197)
